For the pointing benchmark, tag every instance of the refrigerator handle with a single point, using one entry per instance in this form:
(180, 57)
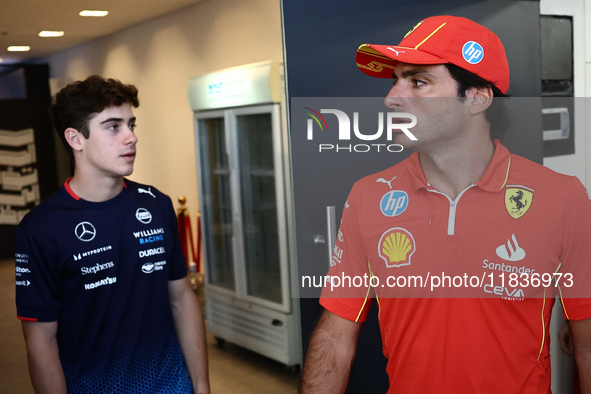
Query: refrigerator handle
(331, 226)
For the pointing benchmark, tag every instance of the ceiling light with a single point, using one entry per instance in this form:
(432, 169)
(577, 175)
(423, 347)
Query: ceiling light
(93, 13)
(19, 48)
(50, 33)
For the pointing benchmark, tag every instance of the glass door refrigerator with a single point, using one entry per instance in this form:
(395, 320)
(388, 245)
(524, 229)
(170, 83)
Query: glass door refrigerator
(246, 209)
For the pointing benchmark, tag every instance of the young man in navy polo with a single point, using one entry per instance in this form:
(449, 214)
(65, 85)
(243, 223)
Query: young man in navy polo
(100, 287)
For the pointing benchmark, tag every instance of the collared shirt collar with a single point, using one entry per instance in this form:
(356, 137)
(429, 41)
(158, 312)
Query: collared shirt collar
(496, 174)
(494, 178)
(74, 195)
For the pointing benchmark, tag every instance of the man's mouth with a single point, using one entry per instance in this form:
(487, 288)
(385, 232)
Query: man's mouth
(400, 120)
(129, 156)
(399, 117)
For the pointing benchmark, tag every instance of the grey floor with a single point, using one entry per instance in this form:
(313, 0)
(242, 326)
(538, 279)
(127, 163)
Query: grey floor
(231, 369)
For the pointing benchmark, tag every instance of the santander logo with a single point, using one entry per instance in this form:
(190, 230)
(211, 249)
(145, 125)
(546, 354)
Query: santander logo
(511, 251)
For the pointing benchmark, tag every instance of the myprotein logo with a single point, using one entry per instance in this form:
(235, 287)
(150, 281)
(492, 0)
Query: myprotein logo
(81, 255)
(387, 123)
(143, 215)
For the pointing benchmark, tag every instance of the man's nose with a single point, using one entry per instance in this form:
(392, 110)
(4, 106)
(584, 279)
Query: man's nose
(394, 97)
(130, 138)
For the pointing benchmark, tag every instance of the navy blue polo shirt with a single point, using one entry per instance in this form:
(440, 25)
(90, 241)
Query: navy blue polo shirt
(101, 270)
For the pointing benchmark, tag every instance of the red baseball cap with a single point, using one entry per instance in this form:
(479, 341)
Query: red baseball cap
(439, 40)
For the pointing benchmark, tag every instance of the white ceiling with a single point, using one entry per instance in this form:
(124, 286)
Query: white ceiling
(22, 20)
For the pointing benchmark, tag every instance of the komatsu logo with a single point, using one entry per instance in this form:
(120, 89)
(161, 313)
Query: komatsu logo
(99, 283)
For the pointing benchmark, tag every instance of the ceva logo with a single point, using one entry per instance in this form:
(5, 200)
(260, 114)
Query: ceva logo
(505, 293)
(394, 121)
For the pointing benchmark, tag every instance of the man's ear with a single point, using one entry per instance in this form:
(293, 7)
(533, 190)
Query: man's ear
(74, 138)
(479, 99)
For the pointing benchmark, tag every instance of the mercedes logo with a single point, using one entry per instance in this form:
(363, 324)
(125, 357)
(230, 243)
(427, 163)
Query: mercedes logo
(85, 231)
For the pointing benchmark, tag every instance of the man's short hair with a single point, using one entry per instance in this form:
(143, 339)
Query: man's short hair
(497, 114)
(76, 104)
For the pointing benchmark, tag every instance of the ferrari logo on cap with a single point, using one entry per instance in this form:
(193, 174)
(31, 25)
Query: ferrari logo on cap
(518, 201)
(413, 29)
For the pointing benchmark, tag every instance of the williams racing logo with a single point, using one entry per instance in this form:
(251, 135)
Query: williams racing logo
(518, 200)
(396, 247)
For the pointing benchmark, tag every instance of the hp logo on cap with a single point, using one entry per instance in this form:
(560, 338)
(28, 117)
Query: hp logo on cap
(473, 52)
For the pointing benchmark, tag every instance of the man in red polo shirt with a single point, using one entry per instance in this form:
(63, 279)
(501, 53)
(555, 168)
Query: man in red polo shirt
(465, 245)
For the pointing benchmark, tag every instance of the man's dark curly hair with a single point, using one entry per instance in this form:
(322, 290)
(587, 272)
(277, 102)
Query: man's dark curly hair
(76, 104)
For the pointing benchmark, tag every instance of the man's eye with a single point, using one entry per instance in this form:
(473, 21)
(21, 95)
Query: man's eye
(132, 127)
(419, 82)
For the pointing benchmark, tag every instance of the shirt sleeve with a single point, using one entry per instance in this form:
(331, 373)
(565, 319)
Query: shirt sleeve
(347, 292)
(574, 287)
(178, 268)
(38, 290)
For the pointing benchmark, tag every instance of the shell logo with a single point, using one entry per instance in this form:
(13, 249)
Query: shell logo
(396, 247)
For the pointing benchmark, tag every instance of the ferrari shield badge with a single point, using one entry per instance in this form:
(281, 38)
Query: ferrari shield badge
(518, 201)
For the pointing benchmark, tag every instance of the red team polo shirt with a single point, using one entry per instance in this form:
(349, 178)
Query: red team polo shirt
(485, 336)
